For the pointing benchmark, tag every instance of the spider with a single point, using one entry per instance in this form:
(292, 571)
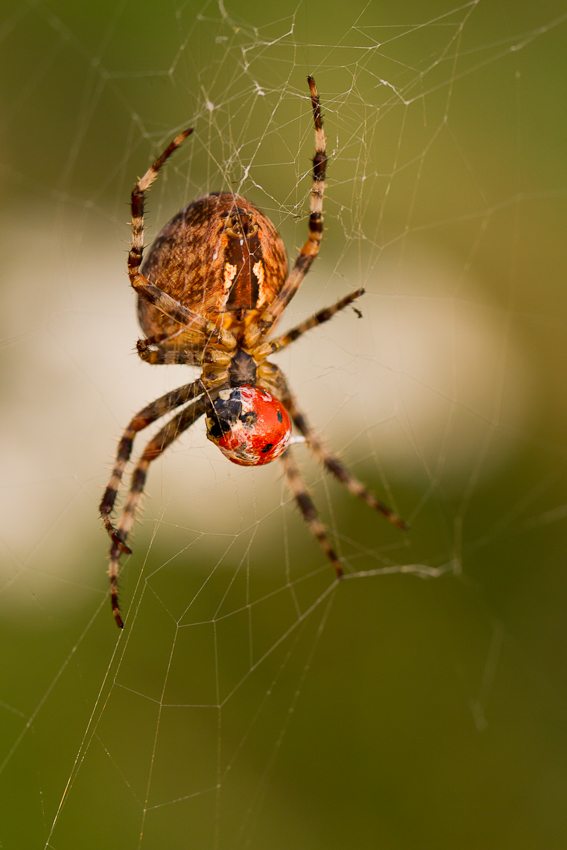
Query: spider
(213, 285)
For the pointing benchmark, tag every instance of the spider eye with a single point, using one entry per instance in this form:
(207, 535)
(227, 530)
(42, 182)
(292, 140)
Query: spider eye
(249, 426)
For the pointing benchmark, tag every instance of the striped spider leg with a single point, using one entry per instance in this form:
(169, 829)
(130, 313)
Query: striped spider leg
(145, 417)
(310, 250)
(149, 414)
(274, 378)
(330, 462)
(155, 447)
(151, 293)
(298, 489)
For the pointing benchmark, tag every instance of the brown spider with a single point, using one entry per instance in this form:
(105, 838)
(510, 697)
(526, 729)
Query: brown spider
(214, 283)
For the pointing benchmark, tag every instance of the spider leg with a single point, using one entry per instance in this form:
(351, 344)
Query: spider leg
(163, 302)
(151, 351)
(160, 357)
(268, 348)
(330, 461)
(179, 313)
(138, 197)
(141, 420)
(338, 469)
(156, 446)
(310, 249)
(143, 345)
(308, 510)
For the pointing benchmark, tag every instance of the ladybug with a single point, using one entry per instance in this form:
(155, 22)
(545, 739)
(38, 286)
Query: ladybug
(249, 425)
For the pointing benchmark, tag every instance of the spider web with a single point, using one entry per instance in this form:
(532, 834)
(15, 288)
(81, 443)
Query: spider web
(252, 701)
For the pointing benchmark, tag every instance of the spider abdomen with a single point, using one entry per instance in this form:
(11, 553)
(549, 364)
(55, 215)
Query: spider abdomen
(220, 256)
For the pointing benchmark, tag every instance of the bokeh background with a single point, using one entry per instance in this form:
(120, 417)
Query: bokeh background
(250, 701)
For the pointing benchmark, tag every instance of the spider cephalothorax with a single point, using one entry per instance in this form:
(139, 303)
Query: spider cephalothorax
(213, 285)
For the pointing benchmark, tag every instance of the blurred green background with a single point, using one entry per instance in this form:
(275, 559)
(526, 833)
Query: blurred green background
(250, 702)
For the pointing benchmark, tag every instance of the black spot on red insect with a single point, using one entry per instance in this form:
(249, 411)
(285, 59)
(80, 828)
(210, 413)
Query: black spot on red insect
(279, 415)
(267, 448)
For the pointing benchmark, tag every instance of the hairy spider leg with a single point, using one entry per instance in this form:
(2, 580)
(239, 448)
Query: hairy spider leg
(179, 313)
(168, 357)
(143, 345)
(310, 249)
(268, 348)
(330, 461)
(163, 302)
(193, 355)
(308, 510)
(156, 446)
(138, 197)
(168, 402)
